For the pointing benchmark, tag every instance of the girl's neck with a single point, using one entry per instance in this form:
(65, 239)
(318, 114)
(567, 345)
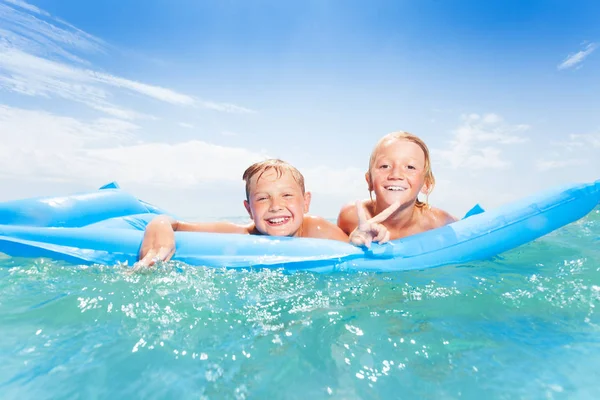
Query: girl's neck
(404, 216)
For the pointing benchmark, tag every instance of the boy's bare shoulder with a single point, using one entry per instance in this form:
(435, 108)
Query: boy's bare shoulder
(318, 227)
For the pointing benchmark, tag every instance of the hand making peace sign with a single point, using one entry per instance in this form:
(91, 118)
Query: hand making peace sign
(371, 230)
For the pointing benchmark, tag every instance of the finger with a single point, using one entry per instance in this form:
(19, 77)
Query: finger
(382, 216)
(356, 237)
(357, 241)
(164, 253)
(143, 253)
(360, 211)
(148, 260)
(368, 240)
(380, 231)
(170, 255)
(136, 268)
(386, 238)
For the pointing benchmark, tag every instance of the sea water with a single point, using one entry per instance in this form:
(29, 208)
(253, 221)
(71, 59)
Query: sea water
(521, 326)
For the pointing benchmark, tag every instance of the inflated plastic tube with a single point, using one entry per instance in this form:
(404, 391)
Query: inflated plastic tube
(110, 236)
(73, 211)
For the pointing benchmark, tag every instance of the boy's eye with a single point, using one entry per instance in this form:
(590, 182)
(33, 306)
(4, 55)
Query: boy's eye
(382, 166)
(288, 195)
(261, 198)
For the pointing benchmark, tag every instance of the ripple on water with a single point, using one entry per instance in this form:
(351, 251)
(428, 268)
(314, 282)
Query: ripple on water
(526, 318)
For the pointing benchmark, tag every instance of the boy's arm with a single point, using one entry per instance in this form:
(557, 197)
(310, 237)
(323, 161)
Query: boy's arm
(320, 228)
(159, 237)
(215, 227)
(158, 243)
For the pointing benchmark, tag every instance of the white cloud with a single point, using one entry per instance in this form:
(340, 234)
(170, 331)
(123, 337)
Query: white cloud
(47, 38)
(35, 76)
(157, 92)
(171, 165)
(56, 148)
(546, 165)
(186, 125)
(477, 143)
(42, 131)
(326, 180)
(37, 58)
(573, 59)
(119, 112)
(190, 177)
(60, 148)
(224, 107)
(592, 140)
(579, 142)
(27, 6)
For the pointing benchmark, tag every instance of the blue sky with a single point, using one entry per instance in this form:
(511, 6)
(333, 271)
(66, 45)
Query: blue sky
(175, 99)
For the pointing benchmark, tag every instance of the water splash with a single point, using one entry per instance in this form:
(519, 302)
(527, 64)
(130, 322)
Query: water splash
(527, 318)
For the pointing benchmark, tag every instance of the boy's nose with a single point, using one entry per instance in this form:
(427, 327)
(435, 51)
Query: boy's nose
(275, 205)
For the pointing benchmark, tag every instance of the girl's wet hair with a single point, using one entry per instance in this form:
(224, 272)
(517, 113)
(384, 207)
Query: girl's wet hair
(278, 165)
(402, 135)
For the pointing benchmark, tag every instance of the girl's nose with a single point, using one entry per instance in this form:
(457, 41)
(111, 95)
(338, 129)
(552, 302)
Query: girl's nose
(396, 173)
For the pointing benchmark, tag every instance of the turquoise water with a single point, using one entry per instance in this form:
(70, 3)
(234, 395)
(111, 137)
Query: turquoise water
(522, 326)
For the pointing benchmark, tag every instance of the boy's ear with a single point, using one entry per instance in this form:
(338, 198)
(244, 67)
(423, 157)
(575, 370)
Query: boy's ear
(248, 209)
(368, 179)
(307, 198)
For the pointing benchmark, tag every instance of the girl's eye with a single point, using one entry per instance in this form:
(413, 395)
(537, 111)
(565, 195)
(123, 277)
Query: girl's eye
(411, 167)
(383, 166)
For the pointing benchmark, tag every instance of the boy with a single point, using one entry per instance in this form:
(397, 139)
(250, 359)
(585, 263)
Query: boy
(276, 201)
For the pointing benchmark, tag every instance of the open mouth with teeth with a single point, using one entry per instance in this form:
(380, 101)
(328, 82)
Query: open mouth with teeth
(278, 221)
(395, 188)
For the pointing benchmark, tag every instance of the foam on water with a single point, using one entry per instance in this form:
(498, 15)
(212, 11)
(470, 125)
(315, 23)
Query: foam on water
(520, 326)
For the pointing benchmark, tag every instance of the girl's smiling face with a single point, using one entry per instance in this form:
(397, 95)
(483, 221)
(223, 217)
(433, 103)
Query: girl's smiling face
(276, 203)
(397, 172)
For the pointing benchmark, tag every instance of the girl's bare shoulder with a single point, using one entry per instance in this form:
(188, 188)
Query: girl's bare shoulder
(437, 217)
(348, 216)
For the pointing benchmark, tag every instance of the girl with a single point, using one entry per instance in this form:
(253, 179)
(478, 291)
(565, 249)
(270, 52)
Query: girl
(399, 170)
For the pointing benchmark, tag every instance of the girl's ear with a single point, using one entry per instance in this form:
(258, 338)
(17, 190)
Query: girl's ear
(248, 209)
(425, 189)
(307, 198)
(368, 179)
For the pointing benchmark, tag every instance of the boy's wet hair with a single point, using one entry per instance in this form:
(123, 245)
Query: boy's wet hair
(278, 165)
(402, 135)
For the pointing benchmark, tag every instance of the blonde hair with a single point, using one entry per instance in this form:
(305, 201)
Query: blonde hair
(278, 165)
(401, 135)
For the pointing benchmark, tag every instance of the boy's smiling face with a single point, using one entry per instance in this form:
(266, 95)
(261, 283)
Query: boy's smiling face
(276, 203)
